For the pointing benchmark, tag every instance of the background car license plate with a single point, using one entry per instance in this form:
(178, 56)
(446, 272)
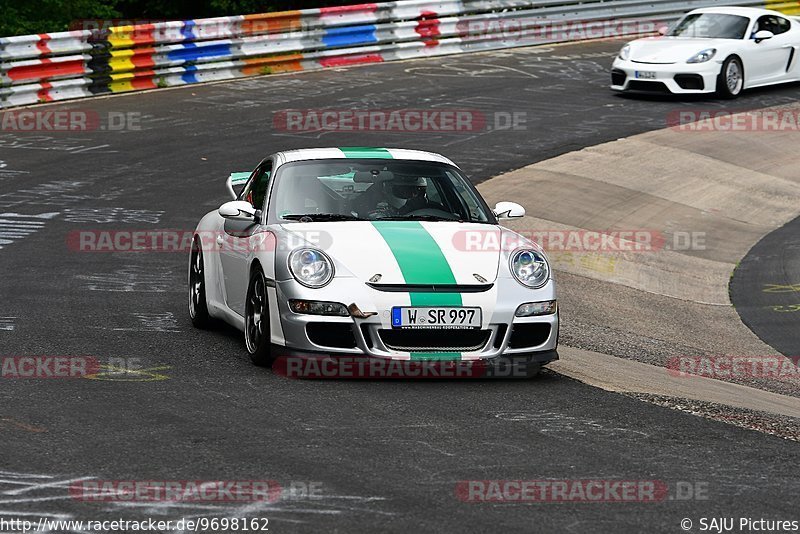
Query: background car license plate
(436, 317)
(646, 74)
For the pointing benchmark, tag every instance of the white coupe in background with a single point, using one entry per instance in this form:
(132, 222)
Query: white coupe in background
(722, 49)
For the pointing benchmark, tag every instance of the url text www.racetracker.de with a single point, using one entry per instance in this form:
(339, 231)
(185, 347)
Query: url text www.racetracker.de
(195, 524)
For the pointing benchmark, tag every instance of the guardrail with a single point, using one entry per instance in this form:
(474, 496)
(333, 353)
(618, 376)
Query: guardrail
(66, 65)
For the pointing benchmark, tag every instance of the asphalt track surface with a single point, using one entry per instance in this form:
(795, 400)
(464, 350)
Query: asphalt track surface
(387, 454)
(765, 289)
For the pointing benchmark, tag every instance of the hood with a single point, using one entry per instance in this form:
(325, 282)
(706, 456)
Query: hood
(669, 49)
(405, 252)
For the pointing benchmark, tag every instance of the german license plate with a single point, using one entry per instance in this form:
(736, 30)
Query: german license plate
(645, 75)
(436, 317)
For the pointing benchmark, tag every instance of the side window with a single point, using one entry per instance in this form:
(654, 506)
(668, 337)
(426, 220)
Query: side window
(762, 24)
(467, 199)
(776, 25)
(783, 25)
(256, 190)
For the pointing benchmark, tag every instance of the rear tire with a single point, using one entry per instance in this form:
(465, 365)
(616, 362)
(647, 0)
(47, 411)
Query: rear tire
(730, 81)
(198, 306)
(256, 321)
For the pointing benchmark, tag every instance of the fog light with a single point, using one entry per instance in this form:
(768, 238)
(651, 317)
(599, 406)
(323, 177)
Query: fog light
(530, 309)
(317, 307)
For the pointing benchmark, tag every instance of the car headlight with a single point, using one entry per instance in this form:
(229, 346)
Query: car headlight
(530, 268)
(702, 56)
(625, 53)
(533, 309)
(318, 307)
(311, 267)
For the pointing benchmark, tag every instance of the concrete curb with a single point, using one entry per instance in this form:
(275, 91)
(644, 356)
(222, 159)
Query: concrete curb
(741, 187)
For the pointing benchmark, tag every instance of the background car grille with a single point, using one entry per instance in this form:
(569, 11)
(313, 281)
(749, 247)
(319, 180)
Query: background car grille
(690, 81)
(618, 77)
(434, 339)
(651, 87)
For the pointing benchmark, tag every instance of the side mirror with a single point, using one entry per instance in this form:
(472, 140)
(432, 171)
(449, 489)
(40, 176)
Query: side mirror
(238, 209)
(663, 30)
(236, 180)
(508, 210)
(763, 35)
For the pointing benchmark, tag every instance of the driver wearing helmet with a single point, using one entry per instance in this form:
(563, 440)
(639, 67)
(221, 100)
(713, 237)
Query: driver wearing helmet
(414, 192)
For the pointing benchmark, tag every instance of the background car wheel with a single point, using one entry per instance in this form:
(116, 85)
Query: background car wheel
(256, 320)
(198, 307)
(730, 81)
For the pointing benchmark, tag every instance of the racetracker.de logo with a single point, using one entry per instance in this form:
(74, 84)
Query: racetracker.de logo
(554, 491)
(560, 240)
(181, 241)
(715, 120)
(175, 490)
(397, 120)
(350, 367)
(769, 367)
(77, 120)
(49, 366)
(535, 30)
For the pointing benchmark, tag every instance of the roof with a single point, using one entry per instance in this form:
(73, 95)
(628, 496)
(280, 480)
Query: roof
(735, 10)
(361, 152)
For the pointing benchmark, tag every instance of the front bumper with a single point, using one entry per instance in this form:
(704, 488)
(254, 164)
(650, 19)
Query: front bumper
(501, 334)
(676, 78)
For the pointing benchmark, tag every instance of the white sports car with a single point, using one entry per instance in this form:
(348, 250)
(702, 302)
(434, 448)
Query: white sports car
(718, 49)
(382, 253)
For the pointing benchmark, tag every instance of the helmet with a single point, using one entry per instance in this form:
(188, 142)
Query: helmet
(408, 187)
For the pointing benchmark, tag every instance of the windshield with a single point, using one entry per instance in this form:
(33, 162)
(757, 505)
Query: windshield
(370, 189)
(711, 26)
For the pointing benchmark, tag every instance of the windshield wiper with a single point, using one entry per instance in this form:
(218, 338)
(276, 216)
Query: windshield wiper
(321, 217)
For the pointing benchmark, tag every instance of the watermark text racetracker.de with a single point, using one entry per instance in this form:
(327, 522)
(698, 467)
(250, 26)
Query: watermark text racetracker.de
(579, 490)
(70, 367)
(775, 367)
(398, 120)
(47, 367)
(533, 30)
(316, 366)
(181, 241)
(76, 120)
(607, 241)
(216, 491)
(717, 120)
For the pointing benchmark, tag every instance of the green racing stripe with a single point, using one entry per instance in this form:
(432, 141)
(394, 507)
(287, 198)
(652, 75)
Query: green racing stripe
(421, 261)
(365, 152)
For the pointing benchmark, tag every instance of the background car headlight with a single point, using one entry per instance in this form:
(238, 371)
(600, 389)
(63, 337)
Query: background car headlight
(311, 267)
(530, 268)
(625, 52)
(702, 56)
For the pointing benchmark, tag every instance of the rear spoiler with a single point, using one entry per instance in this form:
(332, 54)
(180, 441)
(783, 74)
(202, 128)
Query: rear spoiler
(236, 178)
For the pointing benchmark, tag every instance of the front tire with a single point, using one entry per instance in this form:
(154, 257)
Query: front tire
(256, 321)
(730, 81)
(198, 306)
